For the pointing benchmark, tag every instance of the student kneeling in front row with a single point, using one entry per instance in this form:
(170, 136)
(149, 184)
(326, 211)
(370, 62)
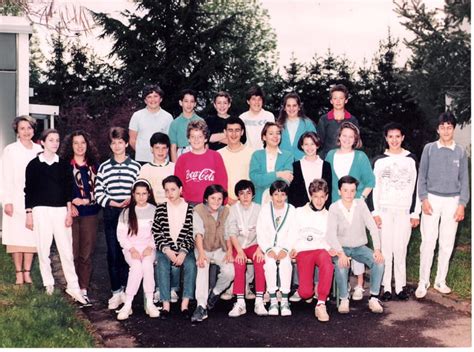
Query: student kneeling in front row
(348, 219)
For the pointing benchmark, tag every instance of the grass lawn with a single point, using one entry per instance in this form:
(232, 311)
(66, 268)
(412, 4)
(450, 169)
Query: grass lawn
(30, 318)
(459, 275)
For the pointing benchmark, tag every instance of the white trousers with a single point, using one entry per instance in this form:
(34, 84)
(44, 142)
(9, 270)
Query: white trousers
(444, 209)
(225, 277)
(395, 235)
(49, 223)
(284, 268)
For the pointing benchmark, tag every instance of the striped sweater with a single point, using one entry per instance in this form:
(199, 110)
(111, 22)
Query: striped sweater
(114, 180)
(161, 231)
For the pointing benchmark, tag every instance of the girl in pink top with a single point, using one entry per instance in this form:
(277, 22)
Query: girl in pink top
(134, 236)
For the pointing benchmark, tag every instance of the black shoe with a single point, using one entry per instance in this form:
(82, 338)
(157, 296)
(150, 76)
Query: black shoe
(212, 300)
(387, 296)
(403, 295)
(185, 314)
(199, 314)
(164, 314)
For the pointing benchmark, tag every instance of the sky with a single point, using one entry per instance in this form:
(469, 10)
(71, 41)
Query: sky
(353, 28)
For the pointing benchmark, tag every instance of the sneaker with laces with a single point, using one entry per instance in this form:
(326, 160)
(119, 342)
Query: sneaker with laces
(151, 310)
(174, 296)
(273, 310)
(344, 306)
(76, 295)
(49, 290)
(295, 297)
(199, 314)
(442, 288)
(387, 296)
(116, 300)
(358, 293)
(375, 306)
(249, 294)
(321, 313)
(285, 310)
(125, 312)
(260, 309)
(403, 295)
(237, 310)
(156, 296)
(421, 290)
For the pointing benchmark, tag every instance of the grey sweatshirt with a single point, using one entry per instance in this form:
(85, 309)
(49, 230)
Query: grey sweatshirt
(443, 172)
(340, 233)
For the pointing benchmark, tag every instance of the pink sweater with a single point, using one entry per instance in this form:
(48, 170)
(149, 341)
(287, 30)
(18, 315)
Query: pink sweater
(197, 171)
(143, 238)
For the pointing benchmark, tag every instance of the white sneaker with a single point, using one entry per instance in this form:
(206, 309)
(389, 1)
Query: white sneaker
(358, 293)
(49, 290)
(285, 310)
(375, 306)
(344, 306)
(266, 297)
(125, 312)
(260, 309)
(295, 297)
(116, 300)
(174, 296)
(152, 311)
(442, 288)
(76, 295)
(421, 290)
(321, 313)
(273, 310)
(237, 310)
(156, 296)
(249, 294)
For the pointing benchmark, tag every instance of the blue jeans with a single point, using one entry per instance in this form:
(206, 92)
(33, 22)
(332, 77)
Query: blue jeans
(165, 276)
(118, 267)
(175, 276)
(362, 254)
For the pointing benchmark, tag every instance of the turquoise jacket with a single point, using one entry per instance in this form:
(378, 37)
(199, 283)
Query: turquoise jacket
(360, 169)
(258, 170)
(304, 125)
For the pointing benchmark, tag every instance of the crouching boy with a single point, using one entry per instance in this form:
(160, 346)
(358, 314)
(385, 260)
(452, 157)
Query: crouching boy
(347, 221)
(208, 226)
(275, 226)
(311, 248)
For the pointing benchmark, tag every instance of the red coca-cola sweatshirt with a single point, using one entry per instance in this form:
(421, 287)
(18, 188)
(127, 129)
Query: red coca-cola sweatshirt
(197, 171)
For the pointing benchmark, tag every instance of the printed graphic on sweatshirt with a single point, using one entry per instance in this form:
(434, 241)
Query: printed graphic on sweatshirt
(200, 175)
(395, 177)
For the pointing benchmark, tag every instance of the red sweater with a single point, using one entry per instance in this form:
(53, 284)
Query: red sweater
(197, 171)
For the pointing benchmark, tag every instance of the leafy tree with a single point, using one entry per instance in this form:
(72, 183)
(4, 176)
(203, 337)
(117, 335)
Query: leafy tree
(441, 56)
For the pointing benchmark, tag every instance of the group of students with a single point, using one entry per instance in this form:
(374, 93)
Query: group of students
(231, 191)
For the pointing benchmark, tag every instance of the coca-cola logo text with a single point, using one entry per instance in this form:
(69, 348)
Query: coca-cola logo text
(203, 175)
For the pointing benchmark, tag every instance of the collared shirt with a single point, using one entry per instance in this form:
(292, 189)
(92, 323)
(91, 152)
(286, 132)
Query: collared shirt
(347, 115)
(452, 146)
(49, 162)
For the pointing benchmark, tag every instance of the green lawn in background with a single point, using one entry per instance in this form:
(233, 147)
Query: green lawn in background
(30, 318)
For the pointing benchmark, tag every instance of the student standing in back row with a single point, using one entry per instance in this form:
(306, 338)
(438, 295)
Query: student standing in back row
(443, 188)
(147, 121)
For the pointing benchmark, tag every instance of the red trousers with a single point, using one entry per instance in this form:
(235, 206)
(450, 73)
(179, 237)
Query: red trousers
(305, 262)
(239, 278)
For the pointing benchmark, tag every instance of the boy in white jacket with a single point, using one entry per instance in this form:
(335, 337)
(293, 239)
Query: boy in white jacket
(311, 248)
(275, 226)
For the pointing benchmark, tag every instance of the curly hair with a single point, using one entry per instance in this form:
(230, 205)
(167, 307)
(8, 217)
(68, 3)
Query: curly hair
(67, 152)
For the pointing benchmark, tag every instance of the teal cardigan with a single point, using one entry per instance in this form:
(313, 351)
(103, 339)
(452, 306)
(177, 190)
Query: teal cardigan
(304, 125)
(360, 169)
(258, 170)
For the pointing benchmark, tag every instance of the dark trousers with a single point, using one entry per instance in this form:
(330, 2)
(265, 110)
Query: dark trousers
(84, 235)
(118, 268)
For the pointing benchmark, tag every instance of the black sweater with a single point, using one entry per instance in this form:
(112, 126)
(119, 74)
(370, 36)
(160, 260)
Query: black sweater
(47, 185)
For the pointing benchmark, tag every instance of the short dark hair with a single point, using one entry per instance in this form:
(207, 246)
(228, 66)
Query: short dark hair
(447, 117)
(339, 88)
(318, 184)
(211, 189)
(172, 179)
(243, 185)
(118, 133)
(26, 118)
(187, 91)
(255, 91)
(233, 120)
(160, 138)
(347, 179)
(313, 136)
(393, 126)
(280, 186)
(152, 88)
